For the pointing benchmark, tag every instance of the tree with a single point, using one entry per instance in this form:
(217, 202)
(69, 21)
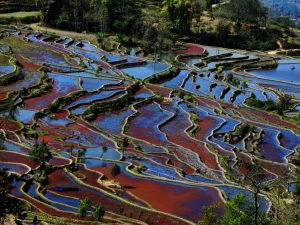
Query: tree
(179, 13)
(8, 204)
(222, 31)
(99, 15)
(2, 139)
(256, 178)
(44, 6)
(209, 215)
(123, 15)
(83, 207)
(284, 103)
(115, 170)
(99, 212)
(125, 142)
(81, 152)
(40, 153)
(239, 211)
(104, 150)
(5, 181)
(244, 84)
(151, 38)
(11, 108)
(254, 13)
(296, 192)
(76, 7)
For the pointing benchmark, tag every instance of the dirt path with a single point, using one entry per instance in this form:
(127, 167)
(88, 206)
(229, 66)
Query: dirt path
(77, 36)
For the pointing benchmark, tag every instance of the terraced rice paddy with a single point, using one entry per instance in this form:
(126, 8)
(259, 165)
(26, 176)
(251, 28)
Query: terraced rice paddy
(176, 142)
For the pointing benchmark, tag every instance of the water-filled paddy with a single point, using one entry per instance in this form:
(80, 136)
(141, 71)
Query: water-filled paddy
(144, 71)
(284, 72)
(169, 139)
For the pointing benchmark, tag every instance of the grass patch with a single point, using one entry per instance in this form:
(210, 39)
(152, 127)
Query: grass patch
(19, 14)
(20, 17)
(4, 59)
(18, 45)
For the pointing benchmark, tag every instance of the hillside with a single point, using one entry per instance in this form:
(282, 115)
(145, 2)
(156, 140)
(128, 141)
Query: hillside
(8, 6)
(149, 112)
(290, 8)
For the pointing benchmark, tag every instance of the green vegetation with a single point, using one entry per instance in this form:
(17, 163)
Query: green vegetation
(240, 211)
(9, 6)
(210, 215)
(232, 80)
(65, 100)
(283, 104)
(164, 76)
(195, 120)
(9, 205)
(41, 154)
(12, 77)
(91, 113)
(296, 119)
(20, 17)
(43, 86)
(232, 25)
(83, 207)
(2, 139)
(159, 27)
(19, 14)
(115, 170)
(99, 212)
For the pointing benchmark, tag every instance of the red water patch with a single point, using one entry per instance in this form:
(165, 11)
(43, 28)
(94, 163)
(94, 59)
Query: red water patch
(44, 101)
(149, 132)
(60, 115)
(269, 118)
(9, 125)
(141, 91)
(205, 156)
(12, 136)
(59, 179)
(221, 150)
(51, 141)
(2, 96)
(159, 90)
(27, 64)
(278, 169)
(6, 156)
(163, 158)
(43, 207)
(59, 162)
(90, 135)
(174, 130)
(192, 49)
(54, 134)
(265, 175)
(184, 201)
(174, 161)
(121, 86)
(205, 126)
(207, 102)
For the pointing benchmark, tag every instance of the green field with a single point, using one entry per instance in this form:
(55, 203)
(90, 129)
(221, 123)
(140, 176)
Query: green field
(19, 14)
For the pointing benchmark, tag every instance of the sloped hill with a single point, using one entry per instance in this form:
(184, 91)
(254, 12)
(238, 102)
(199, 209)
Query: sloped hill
(290, 8)
(8, 6)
